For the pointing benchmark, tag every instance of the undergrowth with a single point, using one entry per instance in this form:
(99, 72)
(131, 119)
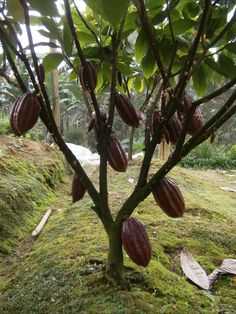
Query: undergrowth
(208, 156)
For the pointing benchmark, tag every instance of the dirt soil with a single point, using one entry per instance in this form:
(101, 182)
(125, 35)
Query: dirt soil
(23, 148)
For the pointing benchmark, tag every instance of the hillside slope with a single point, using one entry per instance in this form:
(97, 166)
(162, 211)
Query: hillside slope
(30, 172)
(63, 271)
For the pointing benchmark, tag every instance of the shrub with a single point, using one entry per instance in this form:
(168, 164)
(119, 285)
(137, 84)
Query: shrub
(74, 135)
(210, 156)
(5, 127)
(233, 152)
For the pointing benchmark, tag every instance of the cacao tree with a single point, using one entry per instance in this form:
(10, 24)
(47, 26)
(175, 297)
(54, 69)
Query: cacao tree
(155, 49)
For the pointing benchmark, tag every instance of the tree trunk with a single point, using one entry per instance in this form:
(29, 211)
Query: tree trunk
(131, 142)
(55, 94)
(164, 150)
(114, 270)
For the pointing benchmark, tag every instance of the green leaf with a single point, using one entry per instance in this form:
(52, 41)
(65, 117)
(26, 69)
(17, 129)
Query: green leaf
(85, 38)
(73, 76)
(52, 61)
(227, 66)
(107, 71)
(44, 33)
(111, 11)
(138, 84)
(99, 79)
(67, 38)
(166, 51)
(141, 46)
(130, 83)
(131, 22)
(181, 26)
(199, 80)
(92, 52)
(51, 25)
(115, 10)
(231, 47)
(213, 65)
(47, 8)
(149, 64)
(16, 10)
(159, 17)
(191, 9)
(124, 69)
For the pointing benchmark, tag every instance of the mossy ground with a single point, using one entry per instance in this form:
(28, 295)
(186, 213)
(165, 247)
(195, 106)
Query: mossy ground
(63, 273)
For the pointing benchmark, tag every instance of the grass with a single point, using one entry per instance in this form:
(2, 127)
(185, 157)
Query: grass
(64, 272)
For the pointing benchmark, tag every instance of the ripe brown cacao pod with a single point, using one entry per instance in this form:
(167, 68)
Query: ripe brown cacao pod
(187, 101)
(136, 242)
(77, 189)
(127, 112)
(11, 118)
(88, 77)
(116, 156)
(174, 128)
(24, 113)
(41, 73)
(156, 119)
(169, 197)
(93, 121)
(196, 122)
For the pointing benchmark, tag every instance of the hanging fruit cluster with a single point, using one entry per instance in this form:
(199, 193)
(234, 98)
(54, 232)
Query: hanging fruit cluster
(172, 129)
(116, 155)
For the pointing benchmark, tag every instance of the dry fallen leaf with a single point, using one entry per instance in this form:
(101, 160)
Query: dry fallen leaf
(193, 270)
(228, 266)
(226, 188)
(214, 276)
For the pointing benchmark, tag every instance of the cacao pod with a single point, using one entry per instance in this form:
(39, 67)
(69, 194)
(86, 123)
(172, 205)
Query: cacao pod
(136, 242)
(188, 101)
(174, 128)
(93, 121)
(127, 111)
(88, 77)
(11, 117)
(41, 73)
(196, 122)
(156, 118)
(169, 197)
(116, 156)
(24, 113)
(77, 189)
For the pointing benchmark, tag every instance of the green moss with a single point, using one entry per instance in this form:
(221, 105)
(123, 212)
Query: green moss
(26, 185)
(64, 273)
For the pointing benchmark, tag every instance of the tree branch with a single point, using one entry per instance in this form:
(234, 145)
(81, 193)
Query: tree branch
(141, 192)
(75, 164)
(209, 124)
(86, 24)
(8, 79)
(152, 41)
(84, 63)
(184, 77)
(214, 94)
(222, 33)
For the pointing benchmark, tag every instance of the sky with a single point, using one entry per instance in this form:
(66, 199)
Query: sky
(37, 37)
